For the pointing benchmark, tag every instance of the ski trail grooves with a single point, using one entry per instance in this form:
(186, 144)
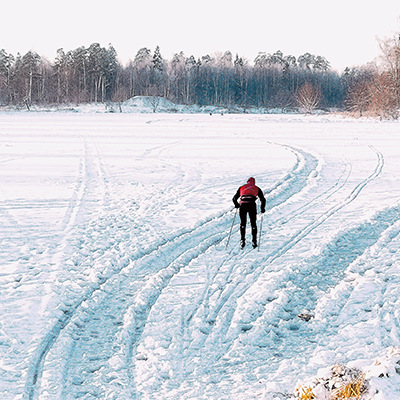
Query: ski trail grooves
(297, 179)
(178, 253)
(234, 290)
(293, 182)
(150, 293)
(145, 260)
(333, 303)
(76, 199)
(90, 185)
(253, 272)
(323, 197)
(319, 221)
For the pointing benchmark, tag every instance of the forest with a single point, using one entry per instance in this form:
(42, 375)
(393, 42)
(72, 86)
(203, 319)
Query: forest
(286, 82)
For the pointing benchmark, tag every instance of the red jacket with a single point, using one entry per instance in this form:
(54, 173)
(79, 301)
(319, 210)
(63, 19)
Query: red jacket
(248, 194)
(249, 189)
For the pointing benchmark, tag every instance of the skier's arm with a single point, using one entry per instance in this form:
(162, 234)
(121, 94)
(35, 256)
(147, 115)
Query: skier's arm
(235, 198)
(262, 198)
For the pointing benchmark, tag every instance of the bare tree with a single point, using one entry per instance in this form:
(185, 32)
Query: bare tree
(141, 71)
(358, 98)
(308, 97)
(390, 74)
(383, 100)
(154, 96)
(359, 92)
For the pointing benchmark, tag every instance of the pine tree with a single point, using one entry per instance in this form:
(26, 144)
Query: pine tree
(142, 57)
(111, 66)
(157, 62)
(6, 64)
(157, 77)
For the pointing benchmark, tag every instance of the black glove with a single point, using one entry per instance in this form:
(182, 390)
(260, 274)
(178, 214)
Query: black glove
(237, 205)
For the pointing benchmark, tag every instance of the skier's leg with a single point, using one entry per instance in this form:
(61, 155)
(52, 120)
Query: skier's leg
(253, 222)
(243, 222)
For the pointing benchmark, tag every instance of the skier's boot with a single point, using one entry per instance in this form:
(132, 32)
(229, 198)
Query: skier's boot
(254, 243)
(242, 244)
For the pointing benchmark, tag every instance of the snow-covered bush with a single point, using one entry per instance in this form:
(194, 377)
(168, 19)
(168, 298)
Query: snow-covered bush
(347, 382)
(337, 382)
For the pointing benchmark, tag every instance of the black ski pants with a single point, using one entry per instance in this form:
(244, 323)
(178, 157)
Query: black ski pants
(251, 209)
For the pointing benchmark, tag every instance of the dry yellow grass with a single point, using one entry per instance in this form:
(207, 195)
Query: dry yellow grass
(350, 391)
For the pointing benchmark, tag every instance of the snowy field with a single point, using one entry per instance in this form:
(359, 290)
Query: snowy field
(116, 281)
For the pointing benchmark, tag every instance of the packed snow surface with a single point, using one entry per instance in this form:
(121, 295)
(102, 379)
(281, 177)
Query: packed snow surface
(116, 280)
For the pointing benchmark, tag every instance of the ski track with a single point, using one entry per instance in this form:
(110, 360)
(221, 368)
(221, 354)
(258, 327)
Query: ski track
(89, 168)
(248, 276)
(301, 235)
(113, 284)
(171, 256)
(303, 171)
(88, 199)
(179, 250)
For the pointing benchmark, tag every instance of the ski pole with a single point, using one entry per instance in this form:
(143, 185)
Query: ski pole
(259, 238)
(234, 217)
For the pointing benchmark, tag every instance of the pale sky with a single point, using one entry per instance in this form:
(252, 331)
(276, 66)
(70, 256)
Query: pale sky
(343, 31)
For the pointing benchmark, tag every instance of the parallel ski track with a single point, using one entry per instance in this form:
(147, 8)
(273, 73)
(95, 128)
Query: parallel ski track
(69, 311)
(234, 291)
(300, 175)
(297, 340)
(297, 177)
(340, 183)
(199, 234)
(182, 255)
(149, 276)
(76, 203)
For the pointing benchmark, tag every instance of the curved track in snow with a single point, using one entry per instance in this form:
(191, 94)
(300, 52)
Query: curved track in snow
(143, 311)
(153, 270)
(223, 327)
(93, 328)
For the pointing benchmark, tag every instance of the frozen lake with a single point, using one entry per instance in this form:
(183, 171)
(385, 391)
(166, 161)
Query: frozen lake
(116, 281)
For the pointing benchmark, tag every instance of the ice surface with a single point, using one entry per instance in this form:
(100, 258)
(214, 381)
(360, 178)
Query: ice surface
(116, 282)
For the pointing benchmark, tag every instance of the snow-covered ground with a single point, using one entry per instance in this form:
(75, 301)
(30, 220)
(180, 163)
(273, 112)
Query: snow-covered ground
(116, 281)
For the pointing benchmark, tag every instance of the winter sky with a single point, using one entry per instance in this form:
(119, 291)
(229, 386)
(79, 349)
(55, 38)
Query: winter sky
(343, 31)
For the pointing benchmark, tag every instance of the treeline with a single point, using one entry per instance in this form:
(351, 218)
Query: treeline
(375, 88)
(82, 75)
(95, 74)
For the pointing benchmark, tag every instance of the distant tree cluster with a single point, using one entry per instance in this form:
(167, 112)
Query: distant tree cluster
(375, 89)
(94, 74)
(82, 75)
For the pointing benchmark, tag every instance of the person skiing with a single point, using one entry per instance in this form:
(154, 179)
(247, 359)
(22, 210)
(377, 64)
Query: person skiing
(248, 194)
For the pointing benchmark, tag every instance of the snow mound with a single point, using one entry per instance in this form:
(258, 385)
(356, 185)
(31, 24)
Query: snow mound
(150, 103)
(349, 382)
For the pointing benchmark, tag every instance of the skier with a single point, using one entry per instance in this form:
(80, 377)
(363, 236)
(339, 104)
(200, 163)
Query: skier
(248, 195)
